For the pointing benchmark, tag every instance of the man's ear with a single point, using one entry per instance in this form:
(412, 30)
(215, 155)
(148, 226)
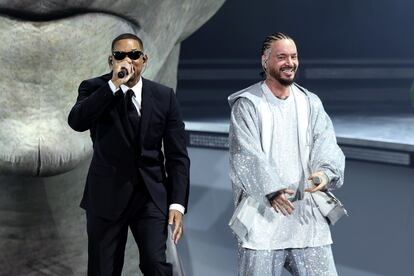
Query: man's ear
(264, 63)
(144, 63)
(110, 62)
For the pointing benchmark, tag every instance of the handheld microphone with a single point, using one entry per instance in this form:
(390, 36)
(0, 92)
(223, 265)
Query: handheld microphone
(122, 73)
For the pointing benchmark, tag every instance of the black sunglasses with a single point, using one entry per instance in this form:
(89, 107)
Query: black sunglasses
(134, 55)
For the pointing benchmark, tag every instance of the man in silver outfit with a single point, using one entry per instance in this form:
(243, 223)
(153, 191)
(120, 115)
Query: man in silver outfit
(281, 142)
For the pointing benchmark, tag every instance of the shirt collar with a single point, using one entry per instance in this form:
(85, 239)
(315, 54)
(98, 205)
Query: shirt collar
(137, 88)
(272, 98)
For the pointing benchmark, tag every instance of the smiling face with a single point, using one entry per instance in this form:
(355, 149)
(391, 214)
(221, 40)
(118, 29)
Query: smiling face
(281, 61)
(55, 45)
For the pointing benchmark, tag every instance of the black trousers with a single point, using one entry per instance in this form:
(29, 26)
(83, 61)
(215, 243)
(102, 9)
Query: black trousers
(107, 239)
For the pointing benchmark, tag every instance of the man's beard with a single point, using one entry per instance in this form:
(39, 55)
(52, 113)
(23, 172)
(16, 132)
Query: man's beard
(133, 80)
(277, 75)
(285, 82)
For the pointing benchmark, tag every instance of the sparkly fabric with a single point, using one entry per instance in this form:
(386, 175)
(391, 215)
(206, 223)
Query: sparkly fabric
(311, 261)
(258, 169)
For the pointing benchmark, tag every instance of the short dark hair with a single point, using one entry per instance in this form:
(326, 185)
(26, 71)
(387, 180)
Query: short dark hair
(271, 38)
(127, 36)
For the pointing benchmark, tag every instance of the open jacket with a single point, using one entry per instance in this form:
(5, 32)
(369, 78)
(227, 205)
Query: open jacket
(252, 170)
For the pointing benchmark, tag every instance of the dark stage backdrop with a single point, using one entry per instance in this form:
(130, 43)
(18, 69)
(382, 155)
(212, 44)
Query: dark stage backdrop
(356, 55)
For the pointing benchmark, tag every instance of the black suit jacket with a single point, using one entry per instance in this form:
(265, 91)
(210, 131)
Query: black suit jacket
(119, 156)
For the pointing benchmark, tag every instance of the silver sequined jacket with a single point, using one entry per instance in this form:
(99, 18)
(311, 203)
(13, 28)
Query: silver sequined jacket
(252, 172)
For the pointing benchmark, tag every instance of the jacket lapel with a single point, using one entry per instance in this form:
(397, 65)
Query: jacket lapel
(146, 107)
(120, 116)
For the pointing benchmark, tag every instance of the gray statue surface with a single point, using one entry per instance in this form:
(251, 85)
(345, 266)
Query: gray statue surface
(47, 49)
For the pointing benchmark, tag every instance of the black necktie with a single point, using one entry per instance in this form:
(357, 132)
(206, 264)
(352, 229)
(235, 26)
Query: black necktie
(132, 112)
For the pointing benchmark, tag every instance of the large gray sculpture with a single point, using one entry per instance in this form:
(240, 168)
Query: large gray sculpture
(47, 48)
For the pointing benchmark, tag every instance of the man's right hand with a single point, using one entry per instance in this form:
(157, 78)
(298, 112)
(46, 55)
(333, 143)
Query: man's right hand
(118, 67)
(281, 202)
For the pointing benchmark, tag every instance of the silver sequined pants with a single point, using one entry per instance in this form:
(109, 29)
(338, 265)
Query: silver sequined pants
(311, 261)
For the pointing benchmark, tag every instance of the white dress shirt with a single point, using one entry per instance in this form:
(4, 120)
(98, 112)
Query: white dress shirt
(136, 100)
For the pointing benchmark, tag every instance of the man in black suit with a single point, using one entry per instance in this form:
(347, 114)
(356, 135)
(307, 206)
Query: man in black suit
(128, 183)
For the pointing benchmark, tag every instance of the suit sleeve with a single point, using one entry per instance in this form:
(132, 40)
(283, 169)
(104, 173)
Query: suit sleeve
(90, 104)
(177, 163)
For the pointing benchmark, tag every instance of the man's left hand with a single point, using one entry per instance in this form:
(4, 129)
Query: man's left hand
(175, 217)
(315, 178)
